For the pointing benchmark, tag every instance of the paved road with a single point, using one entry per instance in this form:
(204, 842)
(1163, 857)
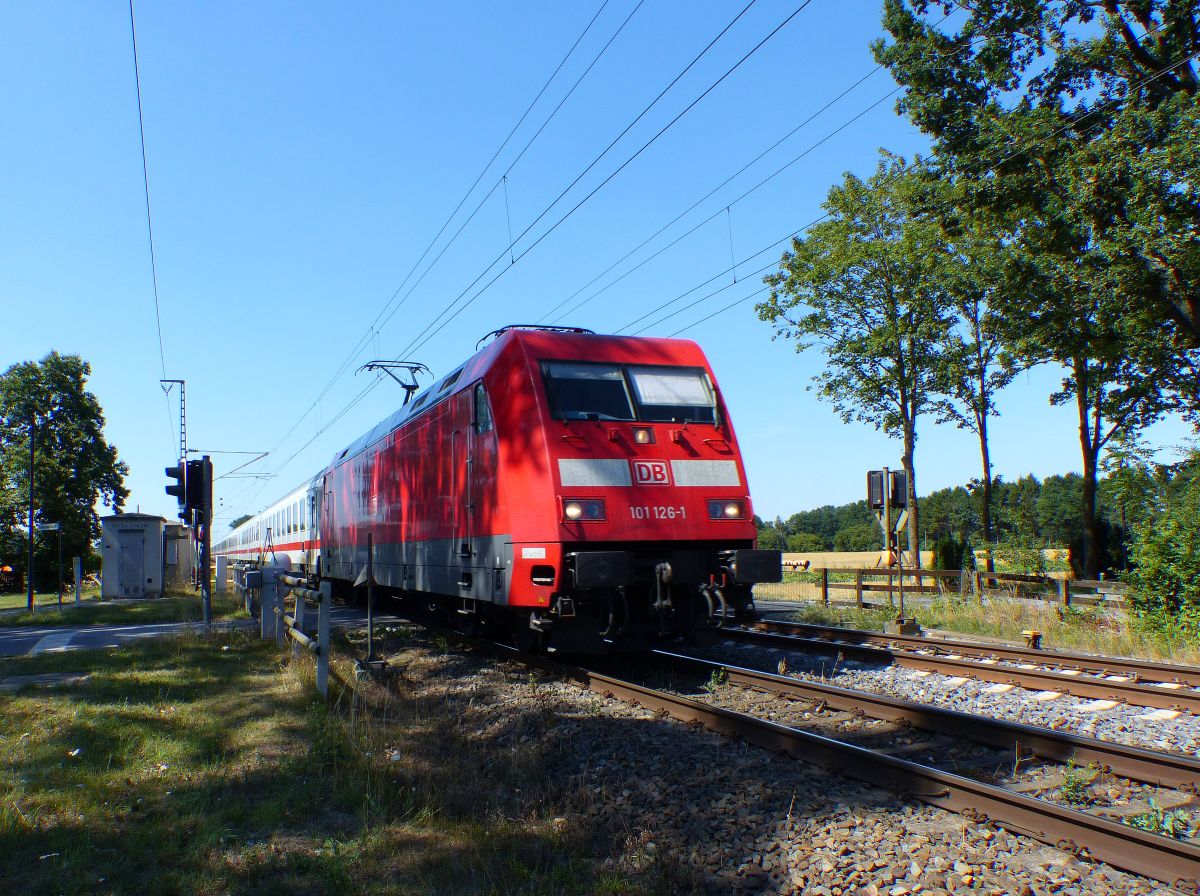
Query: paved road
(32, 640)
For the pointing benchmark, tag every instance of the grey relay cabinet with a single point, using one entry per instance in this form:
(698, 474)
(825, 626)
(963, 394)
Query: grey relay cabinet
(139, 553)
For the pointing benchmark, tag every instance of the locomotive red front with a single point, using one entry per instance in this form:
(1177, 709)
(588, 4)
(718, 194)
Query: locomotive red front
(583, 490)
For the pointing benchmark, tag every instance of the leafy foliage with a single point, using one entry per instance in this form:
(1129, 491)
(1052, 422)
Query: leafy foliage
(1074, 141)
(74, 467)
(1165, 586)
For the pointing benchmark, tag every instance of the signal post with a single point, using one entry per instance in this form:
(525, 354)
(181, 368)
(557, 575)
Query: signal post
(887, 490)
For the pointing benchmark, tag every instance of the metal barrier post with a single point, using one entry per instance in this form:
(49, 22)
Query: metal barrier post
(300, 602)
(323, 640)
(266, 601)
(825, 586)
(370, 598)
(281, 591)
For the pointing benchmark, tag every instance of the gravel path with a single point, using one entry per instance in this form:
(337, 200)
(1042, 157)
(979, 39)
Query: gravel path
(1155, 729)
(681, 809)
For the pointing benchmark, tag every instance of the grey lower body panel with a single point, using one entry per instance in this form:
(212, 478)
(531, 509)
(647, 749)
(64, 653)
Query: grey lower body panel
(475, 569)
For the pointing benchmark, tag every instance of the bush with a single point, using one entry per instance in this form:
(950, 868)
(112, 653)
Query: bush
(864, 537)
(805, 543)
(948, 553)
(1165, 585)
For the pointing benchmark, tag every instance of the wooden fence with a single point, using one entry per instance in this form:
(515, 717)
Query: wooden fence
(943, 581)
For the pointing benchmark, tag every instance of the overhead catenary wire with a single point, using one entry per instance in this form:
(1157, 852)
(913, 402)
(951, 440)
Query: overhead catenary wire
(1015, 152)
(381, 320)
(422, 338)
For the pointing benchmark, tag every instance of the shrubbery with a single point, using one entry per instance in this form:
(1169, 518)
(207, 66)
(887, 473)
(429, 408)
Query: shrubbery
(1165, 584)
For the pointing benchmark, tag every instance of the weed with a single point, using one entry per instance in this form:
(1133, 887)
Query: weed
(1175, 823)
(715, 681)
(1076, 781)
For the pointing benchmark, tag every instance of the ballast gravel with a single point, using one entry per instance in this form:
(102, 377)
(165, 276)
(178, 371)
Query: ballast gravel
(682, 809)
(1141, 726)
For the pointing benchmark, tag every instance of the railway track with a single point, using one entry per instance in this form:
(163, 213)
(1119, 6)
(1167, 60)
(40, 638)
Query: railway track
(1168, 695)
(1173, 770)
(1085, 835)
(1136, 670)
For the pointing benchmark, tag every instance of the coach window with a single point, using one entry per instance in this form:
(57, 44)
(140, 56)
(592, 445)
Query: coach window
(581, 391)
(483, 416)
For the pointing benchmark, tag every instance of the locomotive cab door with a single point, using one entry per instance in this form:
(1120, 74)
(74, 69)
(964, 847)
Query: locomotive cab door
(481, 475)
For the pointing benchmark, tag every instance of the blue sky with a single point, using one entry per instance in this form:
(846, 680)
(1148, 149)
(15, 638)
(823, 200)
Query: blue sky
(302, 156)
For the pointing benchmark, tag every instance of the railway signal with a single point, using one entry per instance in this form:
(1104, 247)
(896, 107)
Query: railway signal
(178, 488)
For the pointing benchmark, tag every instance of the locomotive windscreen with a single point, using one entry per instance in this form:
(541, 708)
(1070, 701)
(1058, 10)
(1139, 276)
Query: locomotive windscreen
(673, 393)
(588, 391)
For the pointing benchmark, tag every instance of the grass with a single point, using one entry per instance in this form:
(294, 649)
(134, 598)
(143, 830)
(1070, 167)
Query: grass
(209, 765)
(1087, 629)
(176, 606)
(19, 601)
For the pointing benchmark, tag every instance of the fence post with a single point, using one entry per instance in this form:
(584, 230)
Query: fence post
(280, 626)
(858, 587)
(300, 601)
(77, 568)
(1064, 591)
(266, 604)
(825, 586)
(979, 586)
(323, 640)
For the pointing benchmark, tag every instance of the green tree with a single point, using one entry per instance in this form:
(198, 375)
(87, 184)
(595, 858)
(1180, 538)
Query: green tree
(1063, 130)
(770, 539)
(74, 467)
(805, 543)
(241, 519)
(975, 361)
(1020, 87)
(859, 537)
(867, 287)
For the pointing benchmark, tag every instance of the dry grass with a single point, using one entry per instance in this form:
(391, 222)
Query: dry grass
(1090, 630)
(208, 765)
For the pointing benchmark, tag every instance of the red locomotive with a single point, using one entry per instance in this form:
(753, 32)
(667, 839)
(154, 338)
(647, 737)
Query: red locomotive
(582, 490)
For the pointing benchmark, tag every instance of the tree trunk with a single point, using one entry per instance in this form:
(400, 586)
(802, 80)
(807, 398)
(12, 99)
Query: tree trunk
(906, 460)
(985, 511)
(1091, 451)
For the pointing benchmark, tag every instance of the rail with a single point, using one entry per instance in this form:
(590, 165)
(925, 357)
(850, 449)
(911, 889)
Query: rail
(1165, 695)
(1162, 858)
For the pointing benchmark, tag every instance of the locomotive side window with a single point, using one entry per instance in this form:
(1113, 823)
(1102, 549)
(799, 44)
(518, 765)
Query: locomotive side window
(674, 393)
(581, 391)
(483, 416)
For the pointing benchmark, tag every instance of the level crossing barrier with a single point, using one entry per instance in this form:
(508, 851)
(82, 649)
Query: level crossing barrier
(276, 623)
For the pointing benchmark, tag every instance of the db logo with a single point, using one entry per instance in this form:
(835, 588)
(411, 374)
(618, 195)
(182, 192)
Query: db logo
(651, 472)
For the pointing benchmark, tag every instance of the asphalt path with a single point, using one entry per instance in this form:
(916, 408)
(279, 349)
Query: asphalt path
(32, 640)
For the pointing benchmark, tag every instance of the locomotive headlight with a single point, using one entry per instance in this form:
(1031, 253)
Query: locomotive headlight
(726, 510)
(583, 511)
(643, 436)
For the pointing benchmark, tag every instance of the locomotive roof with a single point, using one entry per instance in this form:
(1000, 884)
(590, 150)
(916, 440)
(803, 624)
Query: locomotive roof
(639, 349)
